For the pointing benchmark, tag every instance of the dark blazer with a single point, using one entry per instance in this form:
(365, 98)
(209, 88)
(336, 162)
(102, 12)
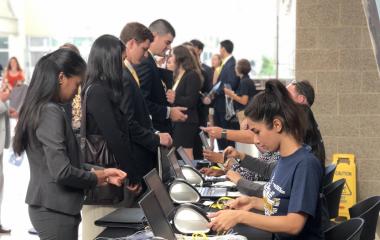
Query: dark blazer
(206, 88)
(187, 95)
(144, 141)
(208, 75)
(105, 118)
(57, 179)
(154, 92)
(227, 75)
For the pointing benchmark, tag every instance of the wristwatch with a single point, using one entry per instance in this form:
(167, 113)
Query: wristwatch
(224, 134)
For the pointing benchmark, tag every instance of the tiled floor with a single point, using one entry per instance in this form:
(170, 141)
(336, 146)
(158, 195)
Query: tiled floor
(14, 210)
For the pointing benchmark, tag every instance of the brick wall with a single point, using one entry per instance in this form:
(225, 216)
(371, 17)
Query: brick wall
(334, 52)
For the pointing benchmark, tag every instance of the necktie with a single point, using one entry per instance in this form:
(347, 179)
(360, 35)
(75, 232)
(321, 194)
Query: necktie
(133, 71)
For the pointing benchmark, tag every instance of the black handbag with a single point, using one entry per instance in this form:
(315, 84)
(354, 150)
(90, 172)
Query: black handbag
(94, 150)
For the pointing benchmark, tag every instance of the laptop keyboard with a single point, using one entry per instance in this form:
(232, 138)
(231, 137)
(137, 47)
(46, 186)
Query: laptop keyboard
(215, 179)
(208, 191)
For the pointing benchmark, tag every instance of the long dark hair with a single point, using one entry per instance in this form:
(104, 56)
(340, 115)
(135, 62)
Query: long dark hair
(196, 62)
(105, 64)
(184, 58)
(275, 102)
(313, 136)
(44, 88)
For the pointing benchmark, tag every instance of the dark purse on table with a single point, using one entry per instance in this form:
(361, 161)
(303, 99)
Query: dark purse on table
(94, 150)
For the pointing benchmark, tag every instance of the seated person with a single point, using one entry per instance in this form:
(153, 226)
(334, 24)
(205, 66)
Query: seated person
(291, 199)
(244, 178)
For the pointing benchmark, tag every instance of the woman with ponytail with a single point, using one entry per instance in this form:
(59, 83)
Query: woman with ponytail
(291, 197)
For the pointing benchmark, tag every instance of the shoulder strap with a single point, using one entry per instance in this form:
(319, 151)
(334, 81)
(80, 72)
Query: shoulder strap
(83, 120)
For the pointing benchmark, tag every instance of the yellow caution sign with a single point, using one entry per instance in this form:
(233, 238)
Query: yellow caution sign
(346, 168)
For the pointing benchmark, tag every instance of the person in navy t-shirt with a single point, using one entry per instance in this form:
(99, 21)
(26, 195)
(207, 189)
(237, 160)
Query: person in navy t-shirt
(291, 197)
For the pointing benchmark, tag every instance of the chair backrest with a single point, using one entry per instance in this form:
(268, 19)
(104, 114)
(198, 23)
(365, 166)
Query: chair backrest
(332, 193)
(329, 174)
(368, 210)
(348, 230)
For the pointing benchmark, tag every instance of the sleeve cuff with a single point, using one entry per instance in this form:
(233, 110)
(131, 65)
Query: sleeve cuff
(168, 112)
(94, 180)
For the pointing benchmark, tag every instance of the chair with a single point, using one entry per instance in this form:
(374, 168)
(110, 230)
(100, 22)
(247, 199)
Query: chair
(329, 174)
(332, 193)
(368, 210)
(348, 230)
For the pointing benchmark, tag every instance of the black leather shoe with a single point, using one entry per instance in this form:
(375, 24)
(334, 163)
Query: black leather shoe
(4, 230)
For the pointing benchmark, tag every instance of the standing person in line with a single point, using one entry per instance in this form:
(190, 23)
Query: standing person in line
(199, 46)
(70, 107)
(227, 77)
(246, 90)
(203, 104)
(13, 72)
(216, 63)
(153, 85)
(291, 199)
(103, 84)
(57, 177)
(185, 93)
(4, 141)
(145, 140)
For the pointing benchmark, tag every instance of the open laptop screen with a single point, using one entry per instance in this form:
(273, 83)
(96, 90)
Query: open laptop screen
(164, 165)
(175, 165)
(155, 184)
(156, 217)
(184, 156)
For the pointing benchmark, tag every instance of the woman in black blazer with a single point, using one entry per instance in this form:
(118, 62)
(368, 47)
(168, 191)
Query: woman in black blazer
(103, 84)
(185, 93)
(57, 178)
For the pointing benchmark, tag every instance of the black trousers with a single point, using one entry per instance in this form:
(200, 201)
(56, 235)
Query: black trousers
(52, 225)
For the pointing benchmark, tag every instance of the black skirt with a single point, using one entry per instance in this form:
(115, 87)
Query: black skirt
(184, 134)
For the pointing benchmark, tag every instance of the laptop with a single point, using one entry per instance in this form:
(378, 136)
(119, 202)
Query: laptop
(155, 184)
(123, 217)
(164, 169)
(156, 217)
(134, 217)
(205, 141)
(186, 159)
(205, 192)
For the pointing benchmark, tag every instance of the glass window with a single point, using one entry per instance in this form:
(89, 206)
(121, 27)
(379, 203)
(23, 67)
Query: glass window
(35, 56)
(39, 41)
(4, 52)
(4, 43)
(4, 56)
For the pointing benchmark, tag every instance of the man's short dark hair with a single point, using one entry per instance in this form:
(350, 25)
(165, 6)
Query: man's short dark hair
(137, 31)
(162, 27)
(304, 88)
(198, 44)
(228, 45)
